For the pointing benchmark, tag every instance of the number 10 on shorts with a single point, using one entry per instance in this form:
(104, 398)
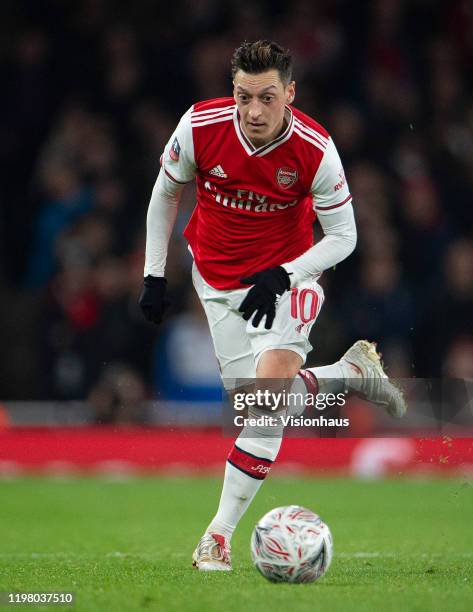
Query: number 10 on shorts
(305, 304)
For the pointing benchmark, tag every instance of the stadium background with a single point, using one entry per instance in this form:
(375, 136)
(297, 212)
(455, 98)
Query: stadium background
(92, 91)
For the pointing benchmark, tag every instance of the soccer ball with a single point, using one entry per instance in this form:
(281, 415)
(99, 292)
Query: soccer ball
(291, 544)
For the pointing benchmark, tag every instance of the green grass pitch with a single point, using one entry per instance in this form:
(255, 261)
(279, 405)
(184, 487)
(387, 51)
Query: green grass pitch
(126, 545)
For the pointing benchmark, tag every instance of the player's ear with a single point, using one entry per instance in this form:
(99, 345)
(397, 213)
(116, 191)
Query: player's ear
(290, 92)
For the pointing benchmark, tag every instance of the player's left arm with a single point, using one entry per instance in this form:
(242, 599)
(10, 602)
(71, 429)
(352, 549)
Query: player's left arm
(332, 202)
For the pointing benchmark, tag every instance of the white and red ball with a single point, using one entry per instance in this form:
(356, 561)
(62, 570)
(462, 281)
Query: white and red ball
(291, 544)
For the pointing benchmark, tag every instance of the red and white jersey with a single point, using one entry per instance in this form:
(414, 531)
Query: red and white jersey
(255, 206)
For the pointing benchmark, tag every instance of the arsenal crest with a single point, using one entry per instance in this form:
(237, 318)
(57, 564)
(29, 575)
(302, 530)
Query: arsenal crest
(286, 177)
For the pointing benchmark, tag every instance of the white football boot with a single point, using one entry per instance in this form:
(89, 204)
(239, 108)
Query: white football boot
(213, 553)
(369, 381)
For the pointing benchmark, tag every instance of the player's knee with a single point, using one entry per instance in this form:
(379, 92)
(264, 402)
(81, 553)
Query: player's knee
(279, 364)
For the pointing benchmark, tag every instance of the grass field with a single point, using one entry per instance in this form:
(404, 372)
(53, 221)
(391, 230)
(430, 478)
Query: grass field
(126, 545)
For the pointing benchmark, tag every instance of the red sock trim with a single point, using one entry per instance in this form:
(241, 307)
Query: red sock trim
(251, 465)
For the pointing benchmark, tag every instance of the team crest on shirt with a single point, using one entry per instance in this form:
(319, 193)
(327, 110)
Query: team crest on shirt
(175, 150)
(286, 177)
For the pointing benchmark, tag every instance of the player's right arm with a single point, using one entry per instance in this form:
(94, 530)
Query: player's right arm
(177, 168)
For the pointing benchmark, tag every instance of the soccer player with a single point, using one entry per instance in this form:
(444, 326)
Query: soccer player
(265, 171)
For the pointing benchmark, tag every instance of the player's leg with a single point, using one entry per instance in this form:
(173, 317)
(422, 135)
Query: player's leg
(359, 372)
(258, 445)
(256, 448)
(232, 348)
(236, 360)
(296, 314)
(279, 354)
(248, 464)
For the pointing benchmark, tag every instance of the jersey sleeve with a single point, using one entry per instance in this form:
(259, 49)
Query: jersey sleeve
(178, 159)
(330, 188)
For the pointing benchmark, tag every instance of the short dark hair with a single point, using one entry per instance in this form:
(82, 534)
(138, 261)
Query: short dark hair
(260, 56)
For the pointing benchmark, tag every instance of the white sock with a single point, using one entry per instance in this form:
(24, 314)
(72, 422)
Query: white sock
(332, 378)
(249, 456)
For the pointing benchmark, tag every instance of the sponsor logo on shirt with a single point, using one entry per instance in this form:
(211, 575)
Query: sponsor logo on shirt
(247, 200)
(342, 181)
(286, 177)
(218, 171)
(175, 150)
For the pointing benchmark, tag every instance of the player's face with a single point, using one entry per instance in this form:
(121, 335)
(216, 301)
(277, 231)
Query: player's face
(261, 100)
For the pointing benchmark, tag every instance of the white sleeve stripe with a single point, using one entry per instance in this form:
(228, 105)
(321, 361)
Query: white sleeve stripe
(311, 132)
(212, 115)
(209, 111)
(317, 207)
(210, 121)
(316, 143)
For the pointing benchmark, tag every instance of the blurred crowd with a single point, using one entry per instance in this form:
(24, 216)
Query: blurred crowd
(92, 90)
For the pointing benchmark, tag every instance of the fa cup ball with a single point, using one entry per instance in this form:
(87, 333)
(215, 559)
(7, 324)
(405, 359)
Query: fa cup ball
(291, 544)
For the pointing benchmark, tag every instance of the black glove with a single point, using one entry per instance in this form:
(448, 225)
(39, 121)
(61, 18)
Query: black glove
(152, 300)
(261, 298)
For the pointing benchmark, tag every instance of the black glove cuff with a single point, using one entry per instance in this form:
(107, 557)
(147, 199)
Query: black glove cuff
(154, 281)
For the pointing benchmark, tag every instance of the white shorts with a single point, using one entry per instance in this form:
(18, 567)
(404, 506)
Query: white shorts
(239, 345)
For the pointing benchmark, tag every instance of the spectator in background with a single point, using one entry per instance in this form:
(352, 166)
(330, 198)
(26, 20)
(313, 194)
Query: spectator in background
(381, 306)
(426, 233)
(448, 316)
(119, 334)
(70, 312)
(66, 199)
(119, 397)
